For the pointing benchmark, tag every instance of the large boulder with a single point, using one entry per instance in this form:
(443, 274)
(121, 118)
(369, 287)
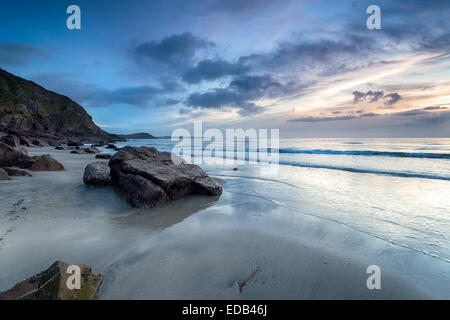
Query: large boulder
(145, 177)
(3, 174)
(97, 174)
(52, 284)
(10, 156)
(46, 163)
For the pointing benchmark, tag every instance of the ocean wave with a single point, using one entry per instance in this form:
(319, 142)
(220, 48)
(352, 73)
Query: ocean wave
(369, 153)
(369, 171)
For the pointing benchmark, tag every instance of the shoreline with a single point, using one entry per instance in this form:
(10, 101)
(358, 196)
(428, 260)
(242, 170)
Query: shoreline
(193, 248)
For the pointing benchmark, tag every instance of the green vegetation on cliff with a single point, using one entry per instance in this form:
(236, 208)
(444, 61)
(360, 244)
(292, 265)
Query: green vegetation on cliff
(24, 105)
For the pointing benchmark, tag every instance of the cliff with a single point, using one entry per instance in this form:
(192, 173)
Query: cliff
(28, 109)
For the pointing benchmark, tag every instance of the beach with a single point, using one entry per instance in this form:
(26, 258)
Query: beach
(242, 245)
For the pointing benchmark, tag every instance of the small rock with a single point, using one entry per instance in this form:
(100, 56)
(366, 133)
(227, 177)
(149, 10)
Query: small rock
(14, 171)
(25, 141)
(75, 144)
(51, 284)
(97, 173)
(111, 146)
(4, 174)
(78, 151)
(235, 169)
(100, 144)
(103, 156)
(40, 143)
(91, 150)
(46, 163)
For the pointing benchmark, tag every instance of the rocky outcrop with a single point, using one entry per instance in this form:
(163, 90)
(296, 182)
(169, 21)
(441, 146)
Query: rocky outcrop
(29, 110)
(4, 174)
(52, 284)
(10, 156)
(14, 171)
(46, 163)
(145, 177)
(97, 174)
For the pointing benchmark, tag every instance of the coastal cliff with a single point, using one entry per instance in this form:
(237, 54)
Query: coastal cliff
(27, 109)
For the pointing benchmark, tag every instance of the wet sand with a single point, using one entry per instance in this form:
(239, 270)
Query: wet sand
(236, 247)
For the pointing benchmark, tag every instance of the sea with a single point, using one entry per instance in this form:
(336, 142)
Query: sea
(396, 190)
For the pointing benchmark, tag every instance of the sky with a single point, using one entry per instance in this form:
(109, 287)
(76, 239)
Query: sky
(308, 68)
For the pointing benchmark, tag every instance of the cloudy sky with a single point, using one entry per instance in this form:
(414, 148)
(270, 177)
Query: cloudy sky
(310, 68)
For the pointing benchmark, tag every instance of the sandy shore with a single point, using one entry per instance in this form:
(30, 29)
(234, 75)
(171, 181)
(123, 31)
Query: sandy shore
(236, 247)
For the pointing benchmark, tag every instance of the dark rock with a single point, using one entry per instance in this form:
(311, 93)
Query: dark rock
(14, 171)
(60, 147)
(51, 284)
(10, 157)
(11, 140)
(75, 144)
(40, 143)
(111, 146)
(4, 174)
(97, 173)
(103, 156)
(91, 150)
(78, 151)
(46, 163)
(145, 177)
(99, 144)
(235, 169)
(25, 141)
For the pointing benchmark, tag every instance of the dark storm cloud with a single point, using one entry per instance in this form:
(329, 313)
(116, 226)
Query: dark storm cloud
(312, 53)
(173, 50)
(240, 94)
(391, 99)
(14, 53)
(374, 96)
(370, 96)
(369, 115)
(212, 70)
